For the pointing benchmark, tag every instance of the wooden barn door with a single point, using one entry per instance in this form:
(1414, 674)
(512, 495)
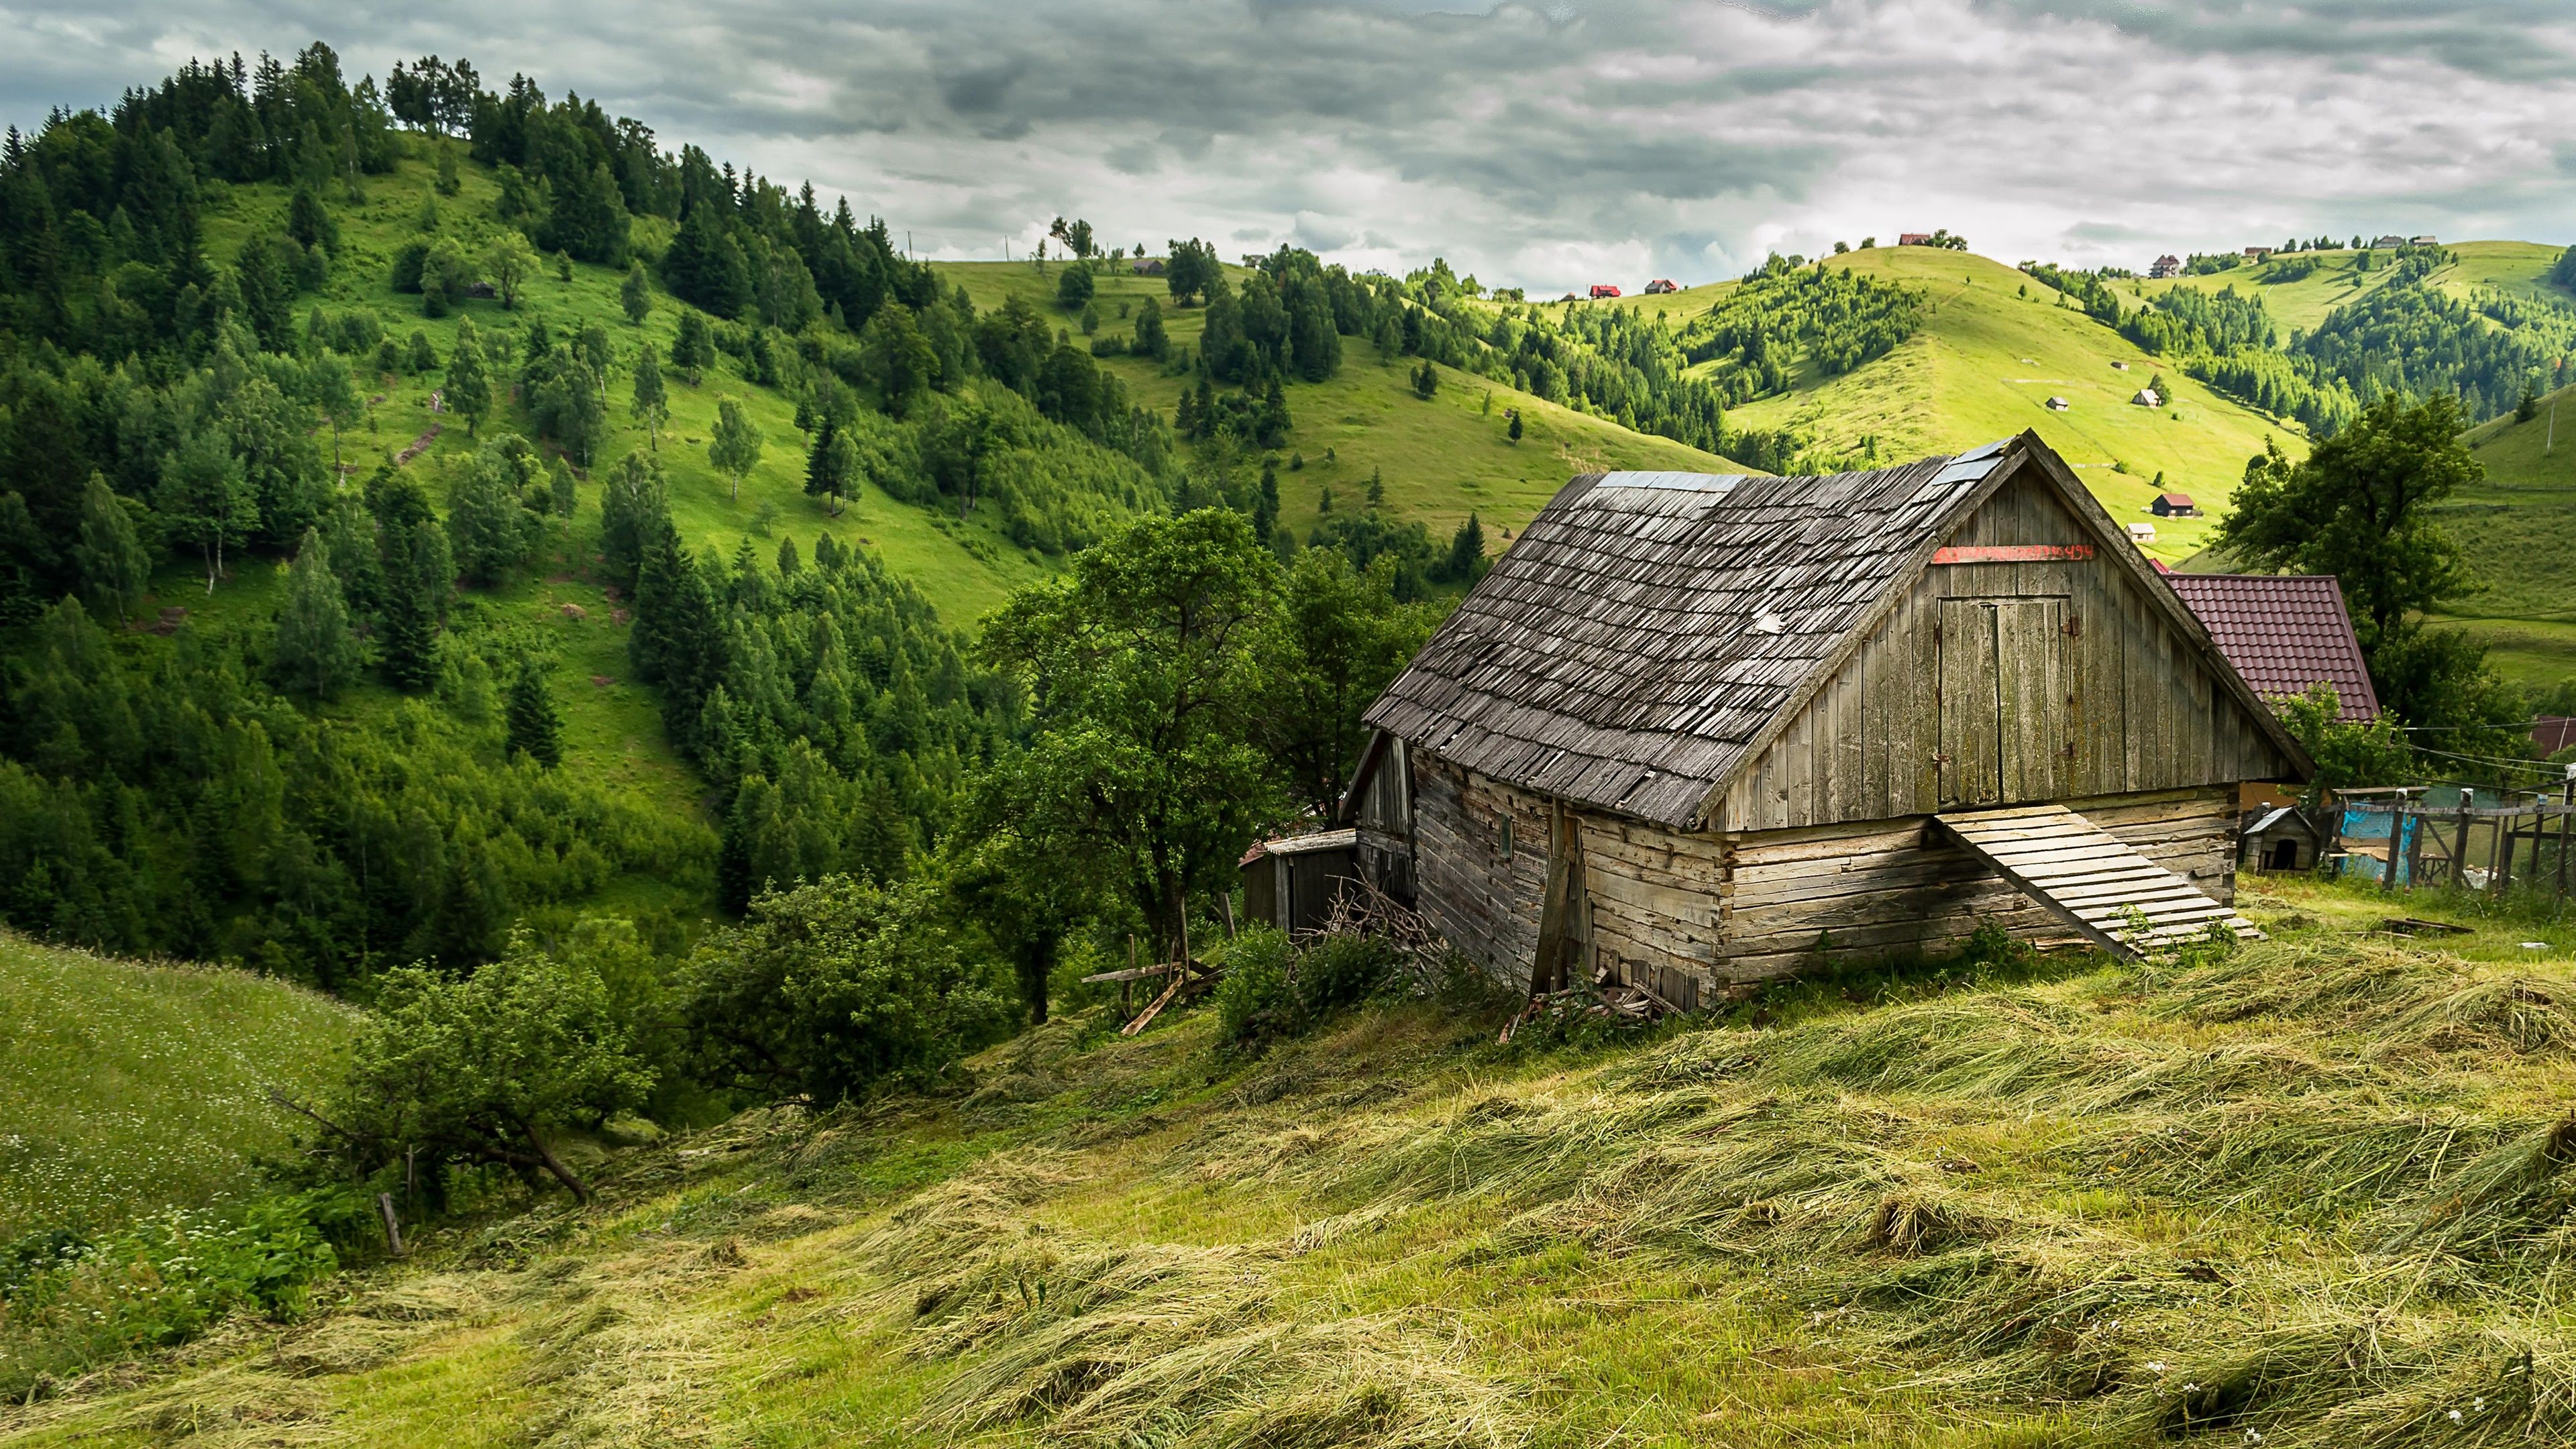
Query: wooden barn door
(2004, 718)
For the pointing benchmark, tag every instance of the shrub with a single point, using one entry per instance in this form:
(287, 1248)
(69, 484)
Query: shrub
(833, 988)
(68, 1303)
(1272, 989)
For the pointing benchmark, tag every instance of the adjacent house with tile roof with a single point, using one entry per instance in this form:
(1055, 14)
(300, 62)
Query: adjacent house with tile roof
(2285, 633)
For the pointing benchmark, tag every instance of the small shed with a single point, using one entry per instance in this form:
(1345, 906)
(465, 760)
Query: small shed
(1661, 285)
(2142, 533)
(2280, 838)
(1147, 267)
(2383, 243)
(2147, 397)
(1696, 729)
(2285, 633)
(1913, 238)
(1294, 882)
(2058, 404)
(2174, 505)
(2256, 254)
(1603, 289)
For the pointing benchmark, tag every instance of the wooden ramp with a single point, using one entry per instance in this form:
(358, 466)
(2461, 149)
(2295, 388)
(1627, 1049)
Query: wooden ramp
(2091, 880)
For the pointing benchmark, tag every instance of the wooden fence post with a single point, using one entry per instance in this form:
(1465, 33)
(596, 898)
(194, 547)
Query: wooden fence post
(2396, 837)
(2460, 848)
(2566, 815)
(2500, 857)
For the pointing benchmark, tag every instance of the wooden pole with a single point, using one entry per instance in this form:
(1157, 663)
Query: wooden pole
(2500, 856)
(2566, 817)
(393, 1224)
(2396, 838)
(2460, 848)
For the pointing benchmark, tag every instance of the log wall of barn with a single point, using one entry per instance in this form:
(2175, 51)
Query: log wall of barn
(2131, 706)
(1684, 913)
(1889, 887)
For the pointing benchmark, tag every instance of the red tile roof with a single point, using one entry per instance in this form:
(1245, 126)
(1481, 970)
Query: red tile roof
(2286, 633)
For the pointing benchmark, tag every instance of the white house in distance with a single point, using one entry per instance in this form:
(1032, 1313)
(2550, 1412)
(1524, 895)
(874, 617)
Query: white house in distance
(2148, 397)
(2167, 265)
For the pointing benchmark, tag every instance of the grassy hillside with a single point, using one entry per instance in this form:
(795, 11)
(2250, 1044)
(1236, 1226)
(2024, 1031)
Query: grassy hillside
(2312, 1193)
(1441, 459)
(1992, 350)
(2515, 267)
(2518, 528)
(128, 1087)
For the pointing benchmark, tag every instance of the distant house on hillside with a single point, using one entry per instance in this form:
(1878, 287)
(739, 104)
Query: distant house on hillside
(2167, 265)
(1603, 289)
(2390, 240)
(2058, 404)
(2256, 254)
(2285, 633)
(2142, 533)
(2425, 240)
(1913, 238)
(2173, 505)
(1149, 267)
(1660, 286)
(2148, 397)
(1698, 730)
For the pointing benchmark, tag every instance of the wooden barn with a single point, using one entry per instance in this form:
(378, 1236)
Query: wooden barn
(1694, 730)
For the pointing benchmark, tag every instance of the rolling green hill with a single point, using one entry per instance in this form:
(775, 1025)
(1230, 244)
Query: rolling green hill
(1441, 458)
(2518, 529)
(2307, 1195)
(2519, 268)
(128, 1087)
(1993, 348)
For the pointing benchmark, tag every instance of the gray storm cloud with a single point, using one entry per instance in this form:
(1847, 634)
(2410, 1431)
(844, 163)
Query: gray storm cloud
(1540, 145)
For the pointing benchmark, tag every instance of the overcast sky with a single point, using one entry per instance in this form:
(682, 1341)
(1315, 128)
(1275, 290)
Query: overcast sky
(1540, 145)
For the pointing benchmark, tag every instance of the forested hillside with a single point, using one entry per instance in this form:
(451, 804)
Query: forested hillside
(433, 507)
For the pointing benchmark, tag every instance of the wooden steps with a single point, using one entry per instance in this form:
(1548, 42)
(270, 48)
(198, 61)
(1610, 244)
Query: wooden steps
(2090, 879)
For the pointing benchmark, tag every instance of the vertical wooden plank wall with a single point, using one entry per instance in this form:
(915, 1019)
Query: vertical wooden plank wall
(2145, 713)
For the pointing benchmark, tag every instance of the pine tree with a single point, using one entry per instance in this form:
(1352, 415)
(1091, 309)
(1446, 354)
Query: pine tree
(1515, 429)
(535, 730)
(1377, 487)
(469, 383)
(1466, 561)
(1265, 507)
(637, 295)
(415, 572)
(651, 405)
(114, 569)
(832, 468)
(1426, 381)
(566, 492)
(314, 654)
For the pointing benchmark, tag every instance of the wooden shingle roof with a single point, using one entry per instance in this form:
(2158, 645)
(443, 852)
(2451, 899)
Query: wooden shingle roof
(1646, 627)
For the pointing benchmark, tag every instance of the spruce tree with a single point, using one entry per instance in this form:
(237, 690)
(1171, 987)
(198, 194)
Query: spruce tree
(469, 382)
(1515, 429)
(114, 569)
(651, 404)
(1265, 508)
(637, 295)
(535, 730)
(314, 654)
(415, 572)
(1377, 487)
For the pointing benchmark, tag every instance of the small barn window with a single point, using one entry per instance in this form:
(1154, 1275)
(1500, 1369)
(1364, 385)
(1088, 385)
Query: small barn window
(1507, 837)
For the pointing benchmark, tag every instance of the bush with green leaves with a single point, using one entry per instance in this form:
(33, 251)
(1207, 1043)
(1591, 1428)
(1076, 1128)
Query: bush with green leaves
(491, 1069)
(69, 1302)
(1272, 988)
(832, 989)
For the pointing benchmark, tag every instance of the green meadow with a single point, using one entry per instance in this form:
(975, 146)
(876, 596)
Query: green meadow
(127, 1087)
